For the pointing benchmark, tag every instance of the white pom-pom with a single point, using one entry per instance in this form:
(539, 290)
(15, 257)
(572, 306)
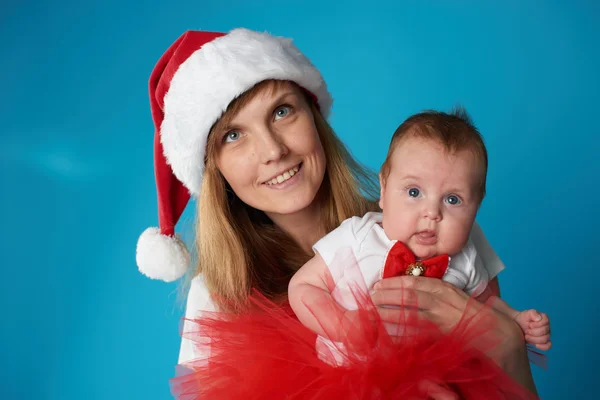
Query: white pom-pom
(161, 257)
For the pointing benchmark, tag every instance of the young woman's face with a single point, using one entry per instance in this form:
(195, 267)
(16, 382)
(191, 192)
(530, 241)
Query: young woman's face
(270, 152)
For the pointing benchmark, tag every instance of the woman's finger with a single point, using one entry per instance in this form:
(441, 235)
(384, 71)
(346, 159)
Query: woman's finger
(403, 297)
(434, 391)
(401, 306)
(394, 315)
(435, 287)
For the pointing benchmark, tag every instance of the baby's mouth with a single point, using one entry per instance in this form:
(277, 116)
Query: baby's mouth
(426, 237)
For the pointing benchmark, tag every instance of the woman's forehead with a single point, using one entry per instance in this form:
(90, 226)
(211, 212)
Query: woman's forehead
(264, 93)
(263, 90)
(270, 88)
(254, 100)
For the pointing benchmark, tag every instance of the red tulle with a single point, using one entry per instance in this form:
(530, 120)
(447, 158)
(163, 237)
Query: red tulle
(267, 353)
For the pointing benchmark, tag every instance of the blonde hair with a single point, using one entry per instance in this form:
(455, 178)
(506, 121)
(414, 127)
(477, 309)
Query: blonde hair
(239, 248)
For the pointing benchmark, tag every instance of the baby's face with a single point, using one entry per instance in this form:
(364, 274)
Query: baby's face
(430, 197)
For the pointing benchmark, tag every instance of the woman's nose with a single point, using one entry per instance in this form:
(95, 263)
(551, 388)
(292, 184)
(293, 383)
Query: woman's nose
(271, 147)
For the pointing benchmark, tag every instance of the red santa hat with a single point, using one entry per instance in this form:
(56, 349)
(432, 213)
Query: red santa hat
(190, 87)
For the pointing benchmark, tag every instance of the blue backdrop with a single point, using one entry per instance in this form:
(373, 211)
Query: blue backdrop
(77, 181)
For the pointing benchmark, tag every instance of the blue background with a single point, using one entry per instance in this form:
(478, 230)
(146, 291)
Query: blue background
(77, 181)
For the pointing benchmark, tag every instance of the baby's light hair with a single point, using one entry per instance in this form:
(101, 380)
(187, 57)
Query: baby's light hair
(454, 130)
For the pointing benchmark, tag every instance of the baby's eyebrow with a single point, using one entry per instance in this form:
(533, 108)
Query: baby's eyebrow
(409, 178)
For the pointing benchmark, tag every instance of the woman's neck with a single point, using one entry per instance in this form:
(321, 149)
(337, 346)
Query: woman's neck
(304, 227)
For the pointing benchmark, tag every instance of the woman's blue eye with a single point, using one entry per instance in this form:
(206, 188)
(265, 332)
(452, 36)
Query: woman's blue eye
(414, 192)
(453, 200)
(231, 136)
(282, 112)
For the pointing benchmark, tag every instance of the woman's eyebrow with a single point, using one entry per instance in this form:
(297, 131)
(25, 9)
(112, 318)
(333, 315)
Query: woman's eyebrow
(280, 98)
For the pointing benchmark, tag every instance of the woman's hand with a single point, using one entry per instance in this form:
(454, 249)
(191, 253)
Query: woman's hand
(434, 391)
(446, 306)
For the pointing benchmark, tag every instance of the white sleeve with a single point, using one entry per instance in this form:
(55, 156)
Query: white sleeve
(342, 236)
(488, 257)
(198, 300)
(467, 272)
(478, 277)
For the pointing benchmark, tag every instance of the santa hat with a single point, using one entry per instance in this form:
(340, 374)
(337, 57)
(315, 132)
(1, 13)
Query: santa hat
(190, 87)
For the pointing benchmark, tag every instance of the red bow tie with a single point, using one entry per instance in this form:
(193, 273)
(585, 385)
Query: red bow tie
(401, 261)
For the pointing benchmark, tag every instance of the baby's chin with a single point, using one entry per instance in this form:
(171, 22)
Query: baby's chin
(423, 252)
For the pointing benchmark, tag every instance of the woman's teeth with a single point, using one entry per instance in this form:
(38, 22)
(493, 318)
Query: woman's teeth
(283, 177)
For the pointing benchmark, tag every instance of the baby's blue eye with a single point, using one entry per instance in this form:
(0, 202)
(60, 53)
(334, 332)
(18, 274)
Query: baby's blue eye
(414, 192)
(453, 200)
(231, 136)
(282, 112)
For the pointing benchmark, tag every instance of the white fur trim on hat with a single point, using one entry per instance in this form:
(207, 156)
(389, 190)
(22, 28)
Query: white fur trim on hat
(211, 78)
(161, 257)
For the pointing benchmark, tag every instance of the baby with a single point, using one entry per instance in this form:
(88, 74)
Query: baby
(432, 184)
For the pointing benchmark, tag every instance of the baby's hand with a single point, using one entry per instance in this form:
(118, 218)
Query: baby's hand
(536, 327)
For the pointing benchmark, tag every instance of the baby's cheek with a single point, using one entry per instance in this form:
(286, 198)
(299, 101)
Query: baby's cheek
(457, 242)
(395, 232)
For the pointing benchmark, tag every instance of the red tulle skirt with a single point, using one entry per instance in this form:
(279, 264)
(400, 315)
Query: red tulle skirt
(266, 353)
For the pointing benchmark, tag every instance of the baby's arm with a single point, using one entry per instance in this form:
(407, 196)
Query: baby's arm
(307, 288)
(534, 324)
(309, 294)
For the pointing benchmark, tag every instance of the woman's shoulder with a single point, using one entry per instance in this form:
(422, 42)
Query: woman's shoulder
(198, 301)
(198, 298)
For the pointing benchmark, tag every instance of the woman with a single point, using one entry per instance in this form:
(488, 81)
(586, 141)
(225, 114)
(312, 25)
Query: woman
(240, 123)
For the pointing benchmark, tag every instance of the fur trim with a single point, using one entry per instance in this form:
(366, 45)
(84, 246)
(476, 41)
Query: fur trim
(211, 78)
(161, 257)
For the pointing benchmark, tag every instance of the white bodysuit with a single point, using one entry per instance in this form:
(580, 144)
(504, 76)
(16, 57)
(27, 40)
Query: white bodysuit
(370, 246)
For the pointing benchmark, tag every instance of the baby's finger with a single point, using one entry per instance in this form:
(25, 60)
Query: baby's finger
(543, 321)
(544, 347)
(544, 330)
(537, 339)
